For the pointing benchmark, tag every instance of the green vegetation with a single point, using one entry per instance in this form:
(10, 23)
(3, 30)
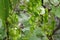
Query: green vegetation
(29, 19)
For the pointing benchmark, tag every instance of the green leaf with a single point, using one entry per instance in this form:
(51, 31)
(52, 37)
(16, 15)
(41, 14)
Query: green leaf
(4, 9)
(56, 11)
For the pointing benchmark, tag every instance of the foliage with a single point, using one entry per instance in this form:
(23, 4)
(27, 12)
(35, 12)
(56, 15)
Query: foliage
(28, 19)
